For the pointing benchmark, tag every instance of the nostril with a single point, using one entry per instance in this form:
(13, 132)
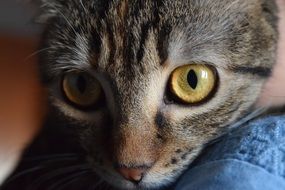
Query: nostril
(133, 174)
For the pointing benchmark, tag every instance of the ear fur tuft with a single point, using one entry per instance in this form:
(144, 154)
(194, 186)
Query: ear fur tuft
(46, 9)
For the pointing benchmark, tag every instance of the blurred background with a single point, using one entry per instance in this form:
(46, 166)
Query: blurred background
(16, 18)
(21, 105)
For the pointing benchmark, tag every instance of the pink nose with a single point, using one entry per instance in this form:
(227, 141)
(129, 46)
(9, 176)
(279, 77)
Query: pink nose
(132, 174)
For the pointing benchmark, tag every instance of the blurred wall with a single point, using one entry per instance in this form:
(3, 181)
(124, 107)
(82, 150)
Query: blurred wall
(16, 18)
(20, 97)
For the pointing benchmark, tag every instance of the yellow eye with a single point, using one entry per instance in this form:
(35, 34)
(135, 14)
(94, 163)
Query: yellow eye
(81, 89)
(194, 83)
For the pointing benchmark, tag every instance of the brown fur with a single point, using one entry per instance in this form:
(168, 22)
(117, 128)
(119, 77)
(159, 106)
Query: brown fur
(139, 43)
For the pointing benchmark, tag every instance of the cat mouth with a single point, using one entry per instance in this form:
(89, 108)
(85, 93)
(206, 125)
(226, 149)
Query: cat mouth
(119, 183)
(114, 179)
(150, 180)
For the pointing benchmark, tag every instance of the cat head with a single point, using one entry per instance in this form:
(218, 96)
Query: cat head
(149, 83)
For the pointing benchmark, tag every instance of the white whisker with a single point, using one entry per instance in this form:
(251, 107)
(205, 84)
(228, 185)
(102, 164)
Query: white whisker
(36, 53)
(66, 181)
(249, 117)
(55, 173)
(65, 18)
(83, 6)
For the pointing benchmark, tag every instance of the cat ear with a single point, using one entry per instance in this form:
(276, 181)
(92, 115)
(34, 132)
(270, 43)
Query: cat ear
(46, 9)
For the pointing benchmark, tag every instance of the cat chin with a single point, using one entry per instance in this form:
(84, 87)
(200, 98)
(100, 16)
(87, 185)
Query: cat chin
(156, 178)
(144, 185)
(150, 181)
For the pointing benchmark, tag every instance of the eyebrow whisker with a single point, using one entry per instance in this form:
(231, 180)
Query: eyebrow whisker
(36, 53)
(65, 18)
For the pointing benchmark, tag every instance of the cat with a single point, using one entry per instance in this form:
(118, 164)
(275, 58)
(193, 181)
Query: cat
(142, 86)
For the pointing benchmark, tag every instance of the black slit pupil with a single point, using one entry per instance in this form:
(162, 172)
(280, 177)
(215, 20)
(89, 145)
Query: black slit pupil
(81, 84)
(192, 79)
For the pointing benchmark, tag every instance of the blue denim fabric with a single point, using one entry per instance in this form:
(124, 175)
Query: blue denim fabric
(251, 157)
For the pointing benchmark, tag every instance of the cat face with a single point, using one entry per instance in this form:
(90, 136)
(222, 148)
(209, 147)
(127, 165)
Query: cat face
(149, 83)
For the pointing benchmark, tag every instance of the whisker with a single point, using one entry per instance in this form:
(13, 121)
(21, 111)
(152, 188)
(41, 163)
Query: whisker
(20, 174)
(67, 181)
(253, 115)
(54, 156)
(84, 8)
(65, 18)
(36, 53)
(56, 161)
(249, 117)
(56, 173)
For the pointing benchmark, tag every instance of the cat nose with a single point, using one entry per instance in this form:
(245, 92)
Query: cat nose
(134, 174)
